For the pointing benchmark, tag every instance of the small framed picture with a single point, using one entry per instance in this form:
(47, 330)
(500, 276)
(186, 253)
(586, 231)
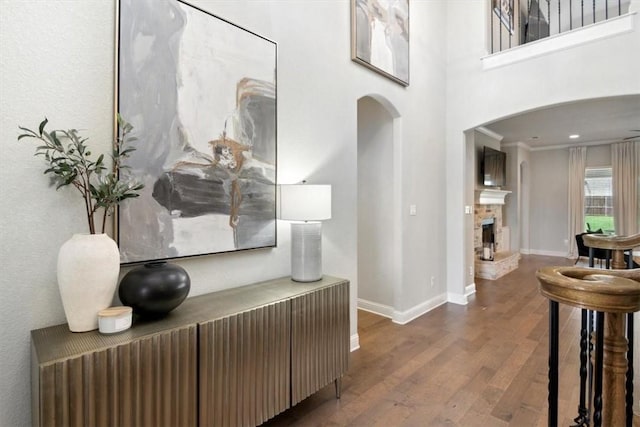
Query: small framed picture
(380, 37)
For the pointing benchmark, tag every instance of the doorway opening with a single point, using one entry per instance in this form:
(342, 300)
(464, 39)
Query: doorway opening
(379, 187)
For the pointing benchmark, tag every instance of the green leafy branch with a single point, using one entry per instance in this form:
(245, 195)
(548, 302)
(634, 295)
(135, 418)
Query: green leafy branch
(70, 163)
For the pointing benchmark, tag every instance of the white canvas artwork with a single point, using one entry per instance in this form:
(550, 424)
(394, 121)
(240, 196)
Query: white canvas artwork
(380, 37)
(201, 95)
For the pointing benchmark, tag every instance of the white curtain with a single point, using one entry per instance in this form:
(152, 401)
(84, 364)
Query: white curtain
(625, 159)
(577, 162)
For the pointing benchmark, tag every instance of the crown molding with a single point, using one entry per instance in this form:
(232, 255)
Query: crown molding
(585, 144)
(518, 144)
(489, 133)
(527, 147)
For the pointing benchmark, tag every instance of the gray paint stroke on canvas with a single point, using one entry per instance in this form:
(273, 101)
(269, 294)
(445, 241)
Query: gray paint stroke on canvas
(236, 178)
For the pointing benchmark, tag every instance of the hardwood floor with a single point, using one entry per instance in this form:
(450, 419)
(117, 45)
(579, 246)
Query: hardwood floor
(484, 364)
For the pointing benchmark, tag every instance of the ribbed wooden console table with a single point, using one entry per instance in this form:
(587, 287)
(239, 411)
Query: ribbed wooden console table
(232, 358)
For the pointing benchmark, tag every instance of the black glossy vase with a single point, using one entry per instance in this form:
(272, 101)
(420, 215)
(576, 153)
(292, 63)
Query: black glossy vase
(154, 289)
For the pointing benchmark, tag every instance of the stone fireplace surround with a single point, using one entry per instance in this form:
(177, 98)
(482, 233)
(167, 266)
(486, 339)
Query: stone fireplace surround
(483, 212)
(504, 261)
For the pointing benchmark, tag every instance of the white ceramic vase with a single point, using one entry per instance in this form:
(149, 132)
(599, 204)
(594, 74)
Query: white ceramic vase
(88, 268)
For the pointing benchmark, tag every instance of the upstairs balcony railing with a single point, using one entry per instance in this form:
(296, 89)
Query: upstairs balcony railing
(517, 22)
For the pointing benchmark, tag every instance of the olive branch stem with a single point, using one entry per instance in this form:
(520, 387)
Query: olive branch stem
(70, 163)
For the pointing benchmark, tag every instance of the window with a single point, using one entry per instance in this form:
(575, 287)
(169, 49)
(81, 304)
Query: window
(598, 204)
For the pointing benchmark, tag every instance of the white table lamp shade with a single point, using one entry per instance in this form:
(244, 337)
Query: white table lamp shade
(308, 204)
(305, 202)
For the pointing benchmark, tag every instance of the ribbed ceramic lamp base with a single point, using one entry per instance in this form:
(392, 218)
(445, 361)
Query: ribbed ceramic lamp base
(306, 251)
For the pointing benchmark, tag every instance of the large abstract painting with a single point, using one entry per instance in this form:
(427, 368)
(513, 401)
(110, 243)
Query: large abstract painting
(380, 37)
(200, 93)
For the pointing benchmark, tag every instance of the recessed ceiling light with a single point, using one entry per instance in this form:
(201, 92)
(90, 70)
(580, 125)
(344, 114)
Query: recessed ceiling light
(574, 136)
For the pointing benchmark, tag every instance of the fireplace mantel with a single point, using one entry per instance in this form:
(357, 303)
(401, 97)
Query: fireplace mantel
(491, 196)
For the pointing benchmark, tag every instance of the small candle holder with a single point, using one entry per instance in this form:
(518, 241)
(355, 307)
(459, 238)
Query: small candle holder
(114, 319)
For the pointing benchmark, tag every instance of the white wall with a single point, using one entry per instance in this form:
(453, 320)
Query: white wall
(549, 206)
(57, 60)
(471, 177)
(549, 187)
(516, 209)
(422, 159)
(598, 155)
(475, 96)
(509, 214)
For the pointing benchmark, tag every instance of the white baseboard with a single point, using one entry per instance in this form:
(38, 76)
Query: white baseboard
(355, 342)
(375, 308)
(460, 299)
(546, 253)
(470, 290)
(404, 317)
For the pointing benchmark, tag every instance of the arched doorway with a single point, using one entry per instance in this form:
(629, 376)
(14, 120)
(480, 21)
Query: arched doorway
(379, 184)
